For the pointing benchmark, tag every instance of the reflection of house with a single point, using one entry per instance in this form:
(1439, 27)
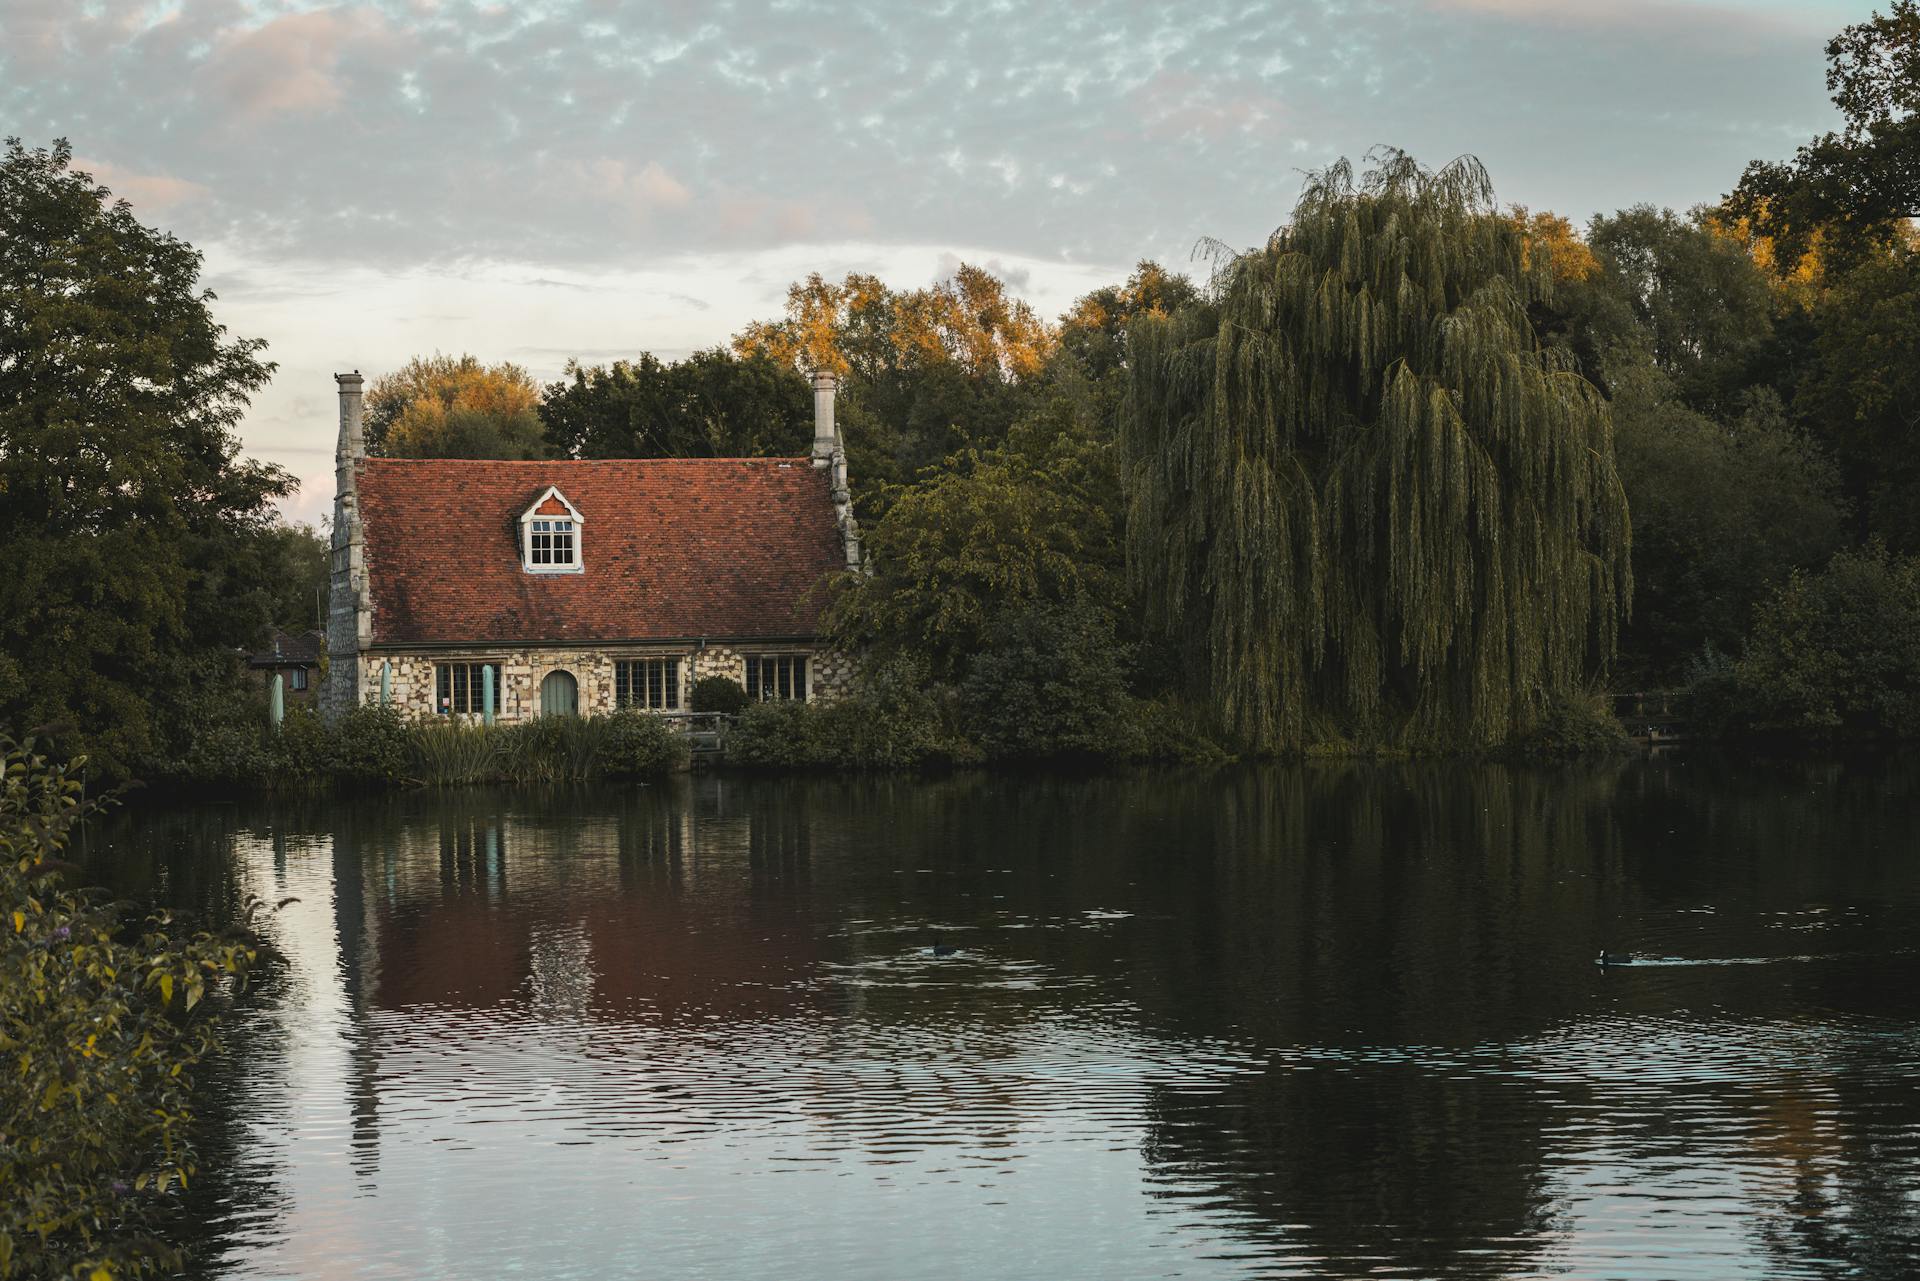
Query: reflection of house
(553, 587)
(295, 658)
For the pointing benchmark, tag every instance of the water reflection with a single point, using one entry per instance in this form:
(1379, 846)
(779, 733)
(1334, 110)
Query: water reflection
(1317, 1021)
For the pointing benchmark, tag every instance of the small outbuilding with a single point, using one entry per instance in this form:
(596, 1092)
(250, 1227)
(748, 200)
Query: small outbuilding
(295, 658)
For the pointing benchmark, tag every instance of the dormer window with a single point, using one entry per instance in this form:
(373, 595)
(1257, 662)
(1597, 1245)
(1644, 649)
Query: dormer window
(552, 543)
(550, 535)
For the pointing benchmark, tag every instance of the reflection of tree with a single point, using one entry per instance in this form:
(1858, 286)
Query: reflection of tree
(1847, 1205)
(1368, 1167)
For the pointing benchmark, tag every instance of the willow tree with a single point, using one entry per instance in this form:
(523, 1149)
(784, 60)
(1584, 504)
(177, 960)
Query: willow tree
(1364, 496)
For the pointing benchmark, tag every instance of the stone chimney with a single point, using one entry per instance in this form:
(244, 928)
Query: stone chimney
(349, 612)
(826, 436)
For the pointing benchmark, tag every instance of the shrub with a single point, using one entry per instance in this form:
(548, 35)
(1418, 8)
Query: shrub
(717, 694)
(1053, 682)
(1573, 727)
(781, 736)
(1175, 734)
(372, 745)
(303, 749)
(1832, 654)
(639, 745)
(100, 1029)
(893, 719)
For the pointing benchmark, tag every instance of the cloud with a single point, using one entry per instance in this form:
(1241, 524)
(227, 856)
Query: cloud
(290, 65)
(152, 192)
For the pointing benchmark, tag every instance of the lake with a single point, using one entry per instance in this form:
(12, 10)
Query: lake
(1333, 1020)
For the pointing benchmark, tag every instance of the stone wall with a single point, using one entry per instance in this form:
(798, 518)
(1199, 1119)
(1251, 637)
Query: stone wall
(519, 672)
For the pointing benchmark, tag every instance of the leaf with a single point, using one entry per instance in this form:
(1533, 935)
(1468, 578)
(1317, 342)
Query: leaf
(19, 920)
(166, 988)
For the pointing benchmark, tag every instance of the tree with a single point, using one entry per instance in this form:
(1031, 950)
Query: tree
(1363, 494)
(1723, 512)
(1833, 653)
(1861, 391)
(128, 515)
(455, 407)
(924, 373)
(1681, 289)
(713, 404)
(991, 532)
(296, 576)
(1857, 187)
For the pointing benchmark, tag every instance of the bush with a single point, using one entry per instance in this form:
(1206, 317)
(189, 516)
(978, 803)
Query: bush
(782, 735)
(1053, 683)
(639, 745)
(372, 745)
(100, 1029)
(717, 694)
(894, 719)
(1834, 654)
(1573, 727)
(303, 750)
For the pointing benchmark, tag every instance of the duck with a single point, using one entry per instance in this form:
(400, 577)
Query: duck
(1607, 958)
(942, 949)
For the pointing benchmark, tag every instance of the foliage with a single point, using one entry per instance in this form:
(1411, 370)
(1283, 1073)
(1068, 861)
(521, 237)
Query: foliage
(1577, 725)
(131, 529)
(295, 572)
(895, 718)
(711, 405)
(1362, 490)
(639, 745)
(455, 407)
(1053, 682)
(449, 751)
(717, 694)
(924, 372)
(1862, 389)
(1682, 291)
(1856, 187)
(373, 746)
(1833, 654)
(990, 532)
(1722, 513)
(101, 1026)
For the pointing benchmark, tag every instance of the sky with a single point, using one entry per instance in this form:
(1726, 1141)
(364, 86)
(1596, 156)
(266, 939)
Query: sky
(543, 179)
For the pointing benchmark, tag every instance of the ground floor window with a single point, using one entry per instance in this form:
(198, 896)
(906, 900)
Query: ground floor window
(652, 683)
(777, 676)
(299, 678)
(459, 687)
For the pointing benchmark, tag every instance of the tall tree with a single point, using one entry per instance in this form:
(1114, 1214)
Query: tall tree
(1375, 503)
(713, 404)
(455, 407)
(925, 372)
(1858, 186)
(128, 520)
(1861, 391)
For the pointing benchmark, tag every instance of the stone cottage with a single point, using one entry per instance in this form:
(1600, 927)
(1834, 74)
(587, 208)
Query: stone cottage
(582, 587)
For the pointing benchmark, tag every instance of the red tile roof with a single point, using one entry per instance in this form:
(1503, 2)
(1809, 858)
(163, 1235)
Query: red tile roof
(722, 548)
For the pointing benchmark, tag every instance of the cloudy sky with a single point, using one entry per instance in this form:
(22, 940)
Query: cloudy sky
(538, 179)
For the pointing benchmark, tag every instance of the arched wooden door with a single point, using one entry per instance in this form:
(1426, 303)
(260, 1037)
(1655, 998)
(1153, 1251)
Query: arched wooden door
(559, 694)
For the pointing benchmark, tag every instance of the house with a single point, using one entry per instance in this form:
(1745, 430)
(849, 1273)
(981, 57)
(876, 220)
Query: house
(295, 658)
(580, 587)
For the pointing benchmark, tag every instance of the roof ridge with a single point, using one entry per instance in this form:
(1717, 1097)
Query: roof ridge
(581, 462)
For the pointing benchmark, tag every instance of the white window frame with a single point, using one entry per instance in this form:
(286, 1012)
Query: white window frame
(578, 564)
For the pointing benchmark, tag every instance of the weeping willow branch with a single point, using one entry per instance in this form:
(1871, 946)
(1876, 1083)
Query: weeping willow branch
(1361, 487)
